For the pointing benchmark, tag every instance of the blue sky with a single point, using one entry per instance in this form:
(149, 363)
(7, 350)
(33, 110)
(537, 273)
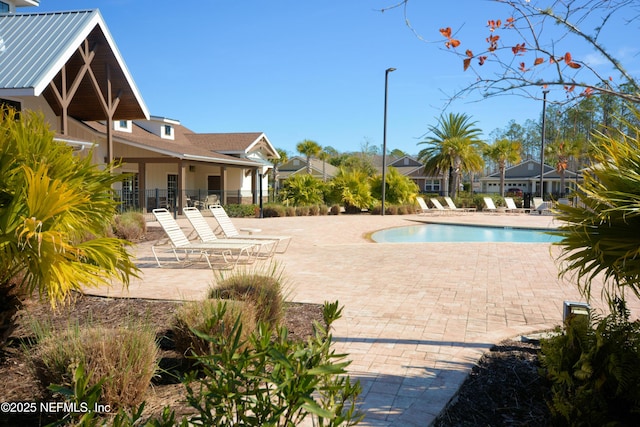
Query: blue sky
(295, 70)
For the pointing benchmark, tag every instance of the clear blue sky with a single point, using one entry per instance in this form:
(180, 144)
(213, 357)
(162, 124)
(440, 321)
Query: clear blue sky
(301, 69)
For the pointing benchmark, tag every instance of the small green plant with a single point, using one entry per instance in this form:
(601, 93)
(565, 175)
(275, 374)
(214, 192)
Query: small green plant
(122, 360)
(594, 368)
(241, 210)
(210, 317)
(273, 381)
(129, 226)
(273, 210)
(302, 210)
(262, 288)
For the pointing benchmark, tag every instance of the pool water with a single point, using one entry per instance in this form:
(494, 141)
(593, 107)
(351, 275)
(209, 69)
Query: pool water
(461, 233)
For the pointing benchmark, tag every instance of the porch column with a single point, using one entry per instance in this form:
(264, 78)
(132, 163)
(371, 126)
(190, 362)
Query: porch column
(180, 190)
(142, 185)
(223, 185)
(254, 186)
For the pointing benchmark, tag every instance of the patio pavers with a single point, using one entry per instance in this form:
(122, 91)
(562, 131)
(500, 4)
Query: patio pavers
(417, 316)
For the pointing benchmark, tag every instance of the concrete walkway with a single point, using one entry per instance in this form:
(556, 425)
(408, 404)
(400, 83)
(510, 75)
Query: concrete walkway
(417, 316)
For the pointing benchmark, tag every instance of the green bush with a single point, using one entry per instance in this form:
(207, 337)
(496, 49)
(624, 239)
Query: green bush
(121, 360)
(242, 211)
(314, 210)
(263, 290)
(210, 317)
(302, 210)
(274, 381)
(290, 211)
(302, 190)
(594, 368)
(324, 210)
(273, 210)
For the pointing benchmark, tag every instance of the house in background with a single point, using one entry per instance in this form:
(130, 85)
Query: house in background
(526, 177)
(320, 169)
(413, 169)
(66, 66)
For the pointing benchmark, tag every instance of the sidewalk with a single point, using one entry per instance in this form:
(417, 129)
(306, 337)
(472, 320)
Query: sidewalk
(417, 316)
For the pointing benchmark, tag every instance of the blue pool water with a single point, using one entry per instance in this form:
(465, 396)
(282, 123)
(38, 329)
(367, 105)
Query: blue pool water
(461, 233)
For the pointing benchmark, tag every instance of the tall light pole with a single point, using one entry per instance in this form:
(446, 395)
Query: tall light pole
(384, 138)
(544, 115)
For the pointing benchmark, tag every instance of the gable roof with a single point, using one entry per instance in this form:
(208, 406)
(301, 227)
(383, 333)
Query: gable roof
(34, 47)
(234, 143)
(181, 147)
(529, 169)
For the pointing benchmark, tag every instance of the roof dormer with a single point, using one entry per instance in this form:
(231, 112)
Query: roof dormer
(123, 125)
(159, 126)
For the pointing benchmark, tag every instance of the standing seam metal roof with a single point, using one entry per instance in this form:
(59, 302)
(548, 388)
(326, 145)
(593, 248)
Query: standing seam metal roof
(34, 43)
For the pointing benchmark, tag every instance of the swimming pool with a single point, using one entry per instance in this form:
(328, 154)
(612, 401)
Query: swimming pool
(461, 233)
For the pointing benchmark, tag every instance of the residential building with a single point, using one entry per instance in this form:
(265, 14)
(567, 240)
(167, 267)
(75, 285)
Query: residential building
(525, 176)
(66, 66)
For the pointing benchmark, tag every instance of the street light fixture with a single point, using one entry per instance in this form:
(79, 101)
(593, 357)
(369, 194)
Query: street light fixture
(384, 138)
(544, 115)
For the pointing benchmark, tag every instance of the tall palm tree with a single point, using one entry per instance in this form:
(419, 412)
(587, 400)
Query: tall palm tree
(560, 152)
(454, 146)
(284, 158)
(502, 152)
(309, 149)
(324, 156)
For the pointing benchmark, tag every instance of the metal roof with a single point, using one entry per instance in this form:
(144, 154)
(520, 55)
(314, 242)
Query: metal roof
(35, 46)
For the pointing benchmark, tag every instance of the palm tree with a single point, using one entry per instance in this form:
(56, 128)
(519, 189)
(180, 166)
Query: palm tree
(55, 210)
(309, 149)
(561, 151)
(324, 156)
(600, 233)
(455, 146)
(502, 152)
(284, 158)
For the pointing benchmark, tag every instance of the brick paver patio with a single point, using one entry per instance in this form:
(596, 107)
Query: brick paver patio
(417, 316)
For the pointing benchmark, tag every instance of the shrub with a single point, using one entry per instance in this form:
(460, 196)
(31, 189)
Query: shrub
(273, 210)
(335, 209)
(290, 211)
(352, 189)
(399, 189)
(302, 190)
(263, 290)
(129, 226)
(211, 317)
(595, 370)
(323, 209)
(314, 210)
(242, 211)
(123, 359)
(302, 211)
(275, 381)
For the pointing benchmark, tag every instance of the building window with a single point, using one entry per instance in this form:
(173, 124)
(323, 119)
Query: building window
(432, 186)
(167, 130)
(4, 7)
(6, 104)
(123, 124)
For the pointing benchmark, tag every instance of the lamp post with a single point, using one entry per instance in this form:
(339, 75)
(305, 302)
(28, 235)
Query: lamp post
(544, 115)
(384, 138)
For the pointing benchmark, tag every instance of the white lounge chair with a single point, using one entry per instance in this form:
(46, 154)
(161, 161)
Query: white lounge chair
(540, 206)
(230, 252)
(436, 203)
(206, 234)
(489, 205)
(231, 232)
(511, 206)
(424, 209)
(453, 206)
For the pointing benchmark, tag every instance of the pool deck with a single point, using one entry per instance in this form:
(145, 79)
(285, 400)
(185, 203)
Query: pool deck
(417, 316)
